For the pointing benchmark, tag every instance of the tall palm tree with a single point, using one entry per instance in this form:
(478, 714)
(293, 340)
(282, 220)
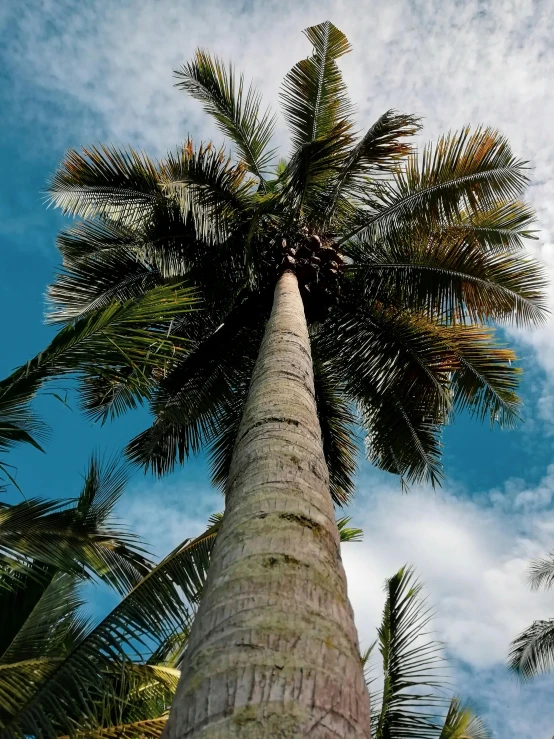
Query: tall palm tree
(354, 283)
(532, 651)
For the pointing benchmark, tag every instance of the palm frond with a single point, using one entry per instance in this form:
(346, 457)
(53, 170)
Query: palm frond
(411, 663)
(161, 605)
(396, 372)
(532, 652)
(77, 537)
(346, 532)
(103, 261)
(318, 112)
(408, 374)
(210, 188)
(18, 423)
(313, 93)
(486, 379)
(201, 399)
(541, 572)
(379, 150)
(132, 337)
(462, 723)
(236, 111)
(147, 728)
(460, 272)
(464, 172)
(105, 181)
(337, 422)
(35, 628)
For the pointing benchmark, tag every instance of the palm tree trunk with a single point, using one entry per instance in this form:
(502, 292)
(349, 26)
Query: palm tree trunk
(274, 650)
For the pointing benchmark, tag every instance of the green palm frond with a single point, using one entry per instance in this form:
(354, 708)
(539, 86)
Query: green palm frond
(314, 95)
(160, 606)
(404, 438)
(103, 262)
(456, 273)
(379, 150)
(208, 186)
(396, 373)
(532, 652)
(408, 375)
(18, 423)
(196, 402)
(77, 536)
(105, 181)
(148, 728)
(412, 666)
(318, 110)
(462, 723)
(464, 172)
(37, 627)
(337, 422)
(236, 111)
(486, 378)
(348, 533)
(123, 343)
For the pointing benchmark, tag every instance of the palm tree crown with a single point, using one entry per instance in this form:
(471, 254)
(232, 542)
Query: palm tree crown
(403, 261)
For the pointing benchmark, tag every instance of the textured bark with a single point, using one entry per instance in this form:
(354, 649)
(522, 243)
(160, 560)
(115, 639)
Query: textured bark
(274, 650)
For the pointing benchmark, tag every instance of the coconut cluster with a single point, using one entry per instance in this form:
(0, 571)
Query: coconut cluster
(318, 266)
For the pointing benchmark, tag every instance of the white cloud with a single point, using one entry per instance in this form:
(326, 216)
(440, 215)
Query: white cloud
(165, 513)
(473, 555)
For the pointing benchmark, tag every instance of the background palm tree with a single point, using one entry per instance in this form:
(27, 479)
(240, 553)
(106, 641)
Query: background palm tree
(383, 271)
(49, 549)
(532, 652)
(410, 704)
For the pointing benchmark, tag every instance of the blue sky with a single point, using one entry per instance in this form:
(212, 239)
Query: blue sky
(79, 73)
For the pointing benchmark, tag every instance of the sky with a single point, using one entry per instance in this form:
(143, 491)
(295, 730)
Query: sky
(74, 73)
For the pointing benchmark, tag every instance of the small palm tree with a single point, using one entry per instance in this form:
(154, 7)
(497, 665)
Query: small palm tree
(532, 652)
(411, 701)
(48, 550)
(354, 283)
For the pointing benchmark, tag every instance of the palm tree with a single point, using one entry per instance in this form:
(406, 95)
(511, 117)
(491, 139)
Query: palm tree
(532, 651)
(48, 550)
(381, 272)
(410, 703)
